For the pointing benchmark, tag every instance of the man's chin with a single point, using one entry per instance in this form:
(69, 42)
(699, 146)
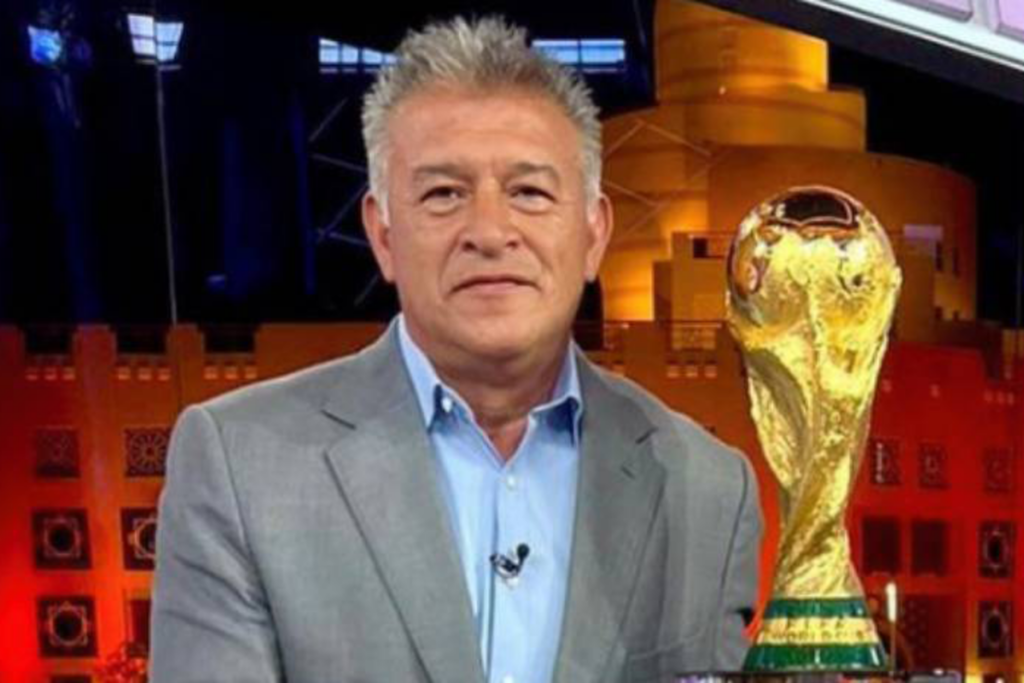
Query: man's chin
(499, 349)
(492, 340)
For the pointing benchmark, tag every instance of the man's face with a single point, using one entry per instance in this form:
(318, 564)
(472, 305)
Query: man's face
(490, 239)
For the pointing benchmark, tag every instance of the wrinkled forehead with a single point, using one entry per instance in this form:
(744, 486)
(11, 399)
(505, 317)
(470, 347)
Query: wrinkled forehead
(448, 94)
(441, 88)
(432, 116)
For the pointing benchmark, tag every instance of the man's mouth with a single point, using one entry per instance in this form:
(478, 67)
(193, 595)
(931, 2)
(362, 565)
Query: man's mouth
(493, 283)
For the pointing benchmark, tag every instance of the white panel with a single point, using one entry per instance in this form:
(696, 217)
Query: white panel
(989, 29)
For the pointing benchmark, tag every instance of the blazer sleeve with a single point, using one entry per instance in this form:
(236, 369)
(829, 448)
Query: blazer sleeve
(210, 617)
(740, 583)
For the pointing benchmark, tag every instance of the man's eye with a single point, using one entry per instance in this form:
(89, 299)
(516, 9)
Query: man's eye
(532, 192)
(532, 198)
(443, 199)
(441, 194)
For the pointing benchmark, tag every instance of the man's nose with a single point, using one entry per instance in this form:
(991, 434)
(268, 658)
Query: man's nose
(489, 226)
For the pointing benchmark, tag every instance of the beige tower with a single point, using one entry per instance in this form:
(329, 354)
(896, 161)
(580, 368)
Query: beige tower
(744, 111)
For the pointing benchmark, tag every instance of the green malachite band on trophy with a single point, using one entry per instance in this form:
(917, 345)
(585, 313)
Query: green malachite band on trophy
(821, 607)
(818, 631)
(816, 657)
(836, 621)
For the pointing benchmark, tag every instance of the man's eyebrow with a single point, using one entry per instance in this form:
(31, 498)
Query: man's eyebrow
(448, 170)
(454, 170)
(529, 168)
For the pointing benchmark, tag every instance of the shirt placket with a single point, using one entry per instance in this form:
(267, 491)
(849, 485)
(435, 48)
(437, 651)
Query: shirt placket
(511, 639)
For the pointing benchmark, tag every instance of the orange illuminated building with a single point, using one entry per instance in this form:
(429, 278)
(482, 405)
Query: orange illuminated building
(744, 111)
(85, 426)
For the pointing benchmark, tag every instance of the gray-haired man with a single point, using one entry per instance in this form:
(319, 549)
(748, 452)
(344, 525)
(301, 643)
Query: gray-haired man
(469, 499)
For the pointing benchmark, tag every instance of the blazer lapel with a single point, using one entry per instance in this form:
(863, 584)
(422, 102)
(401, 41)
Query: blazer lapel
(385, 469)
(619, 489)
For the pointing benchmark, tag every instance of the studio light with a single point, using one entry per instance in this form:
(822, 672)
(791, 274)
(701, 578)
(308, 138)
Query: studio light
(155, 41)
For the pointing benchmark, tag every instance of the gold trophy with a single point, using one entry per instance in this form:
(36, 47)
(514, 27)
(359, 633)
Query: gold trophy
(812, 284)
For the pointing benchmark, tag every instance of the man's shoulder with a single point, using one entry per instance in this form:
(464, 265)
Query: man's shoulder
(680, 441)
(280, 402)
(305, 385)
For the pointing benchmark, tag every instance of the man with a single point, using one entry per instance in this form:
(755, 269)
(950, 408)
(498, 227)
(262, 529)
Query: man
(468, 499)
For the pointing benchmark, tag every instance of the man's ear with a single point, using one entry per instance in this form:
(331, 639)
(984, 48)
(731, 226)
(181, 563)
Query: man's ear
(378, 233)
(600, 220)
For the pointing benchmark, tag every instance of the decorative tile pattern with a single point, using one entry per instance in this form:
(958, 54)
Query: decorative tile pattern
(146, 449)
(995, 629)
(57, 454)
(138, 534)
(933, 627)
(61, 539)
(996, 549)
(67, 626)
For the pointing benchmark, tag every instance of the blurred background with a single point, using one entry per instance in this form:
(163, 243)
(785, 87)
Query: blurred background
(179, 189)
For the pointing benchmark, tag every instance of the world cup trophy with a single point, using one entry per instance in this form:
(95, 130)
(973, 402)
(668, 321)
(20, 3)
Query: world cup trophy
(812, 286)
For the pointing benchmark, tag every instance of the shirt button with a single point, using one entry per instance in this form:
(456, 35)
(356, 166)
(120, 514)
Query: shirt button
(511, 482)
(446, 404)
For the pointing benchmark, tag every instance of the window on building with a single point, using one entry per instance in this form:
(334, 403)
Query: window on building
(594, 55)
(929, 547)
(139, 608)
(931, 467)
(700, 247)
(337, 57)
(141, 339)
(229, 339)
(55, 340)
(998, 470)
(884, 461)
(880, 549)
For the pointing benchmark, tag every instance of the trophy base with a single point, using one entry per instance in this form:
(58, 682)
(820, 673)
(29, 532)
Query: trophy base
(816, 634)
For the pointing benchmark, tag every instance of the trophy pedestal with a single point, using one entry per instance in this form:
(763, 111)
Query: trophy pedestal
(813, 635)
(832, 676)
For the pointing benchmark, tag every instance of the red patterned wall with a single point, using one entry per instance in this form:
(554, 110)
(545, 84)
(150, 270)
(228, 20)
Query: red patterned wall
(83, 432)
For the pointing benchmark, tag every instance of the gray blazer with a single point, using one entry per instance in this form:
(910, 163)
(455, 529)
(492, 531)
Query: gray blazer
(303, 538)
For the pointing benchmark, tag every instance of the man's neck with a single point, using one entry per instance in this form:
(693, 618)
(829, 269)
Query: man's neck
(502, 398)
(500, 392)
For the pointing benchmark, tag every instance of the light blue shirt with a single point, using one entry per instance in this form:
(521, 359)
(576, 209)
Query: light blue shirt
(495, 506)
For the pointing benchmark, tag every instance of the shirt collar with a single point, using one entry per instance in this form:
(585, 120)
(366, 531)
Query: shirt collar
(430, 390)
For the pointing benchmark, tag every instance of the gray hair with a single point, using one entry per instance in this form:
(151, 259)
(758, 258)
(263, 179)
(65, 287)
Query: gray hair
(484, 54)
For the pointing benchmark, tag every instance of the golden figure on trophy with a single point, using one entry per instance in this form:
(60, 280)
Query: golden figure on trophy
(812, 286)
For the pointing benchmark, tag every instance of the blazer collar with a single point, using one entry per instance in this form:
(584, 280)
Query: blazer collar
(618, 494)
